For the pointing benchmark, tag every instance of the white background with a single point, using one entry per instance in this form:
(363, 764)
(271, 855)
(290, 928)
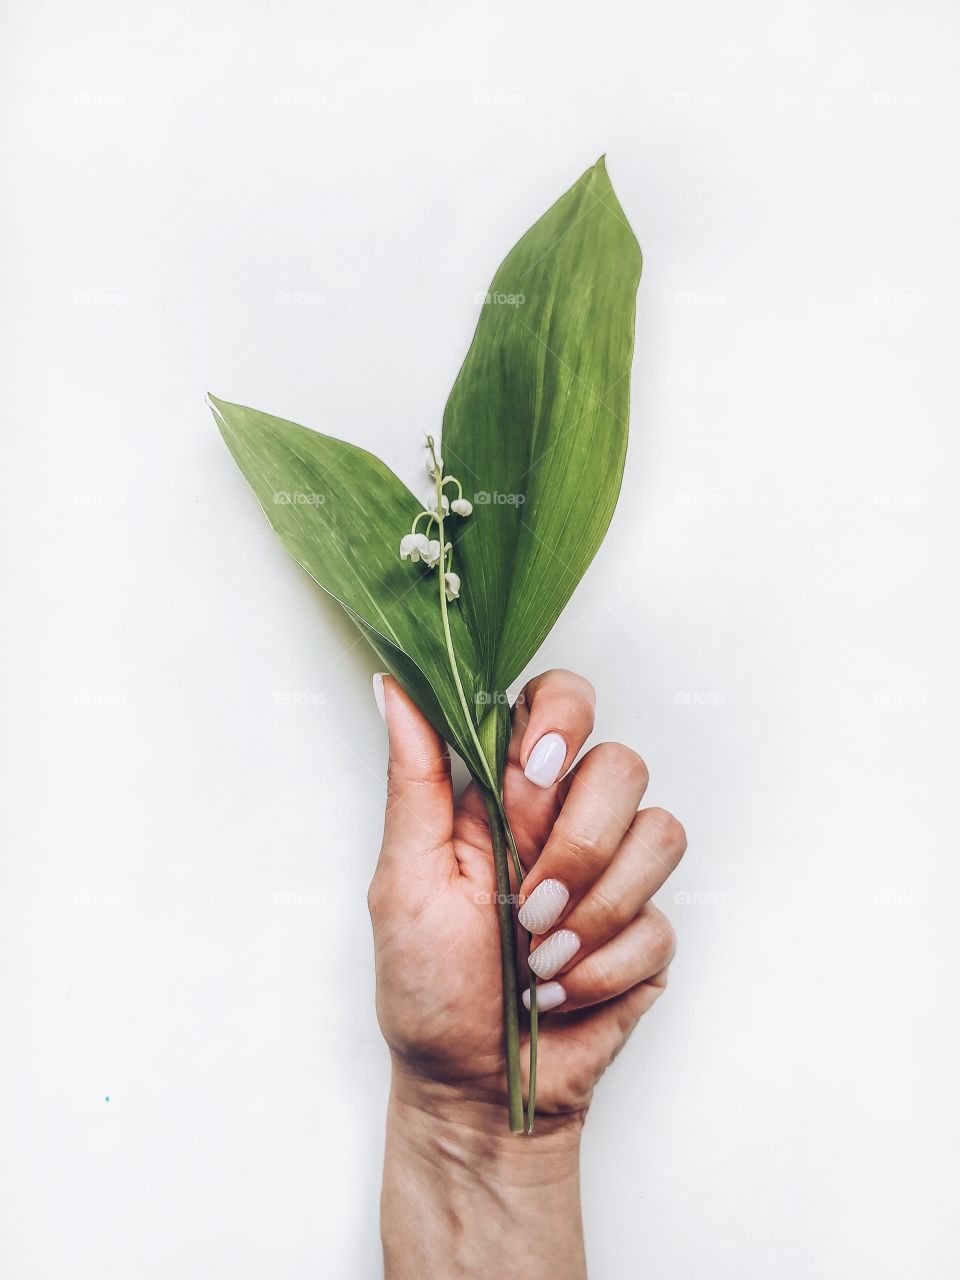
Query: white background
(295, 206)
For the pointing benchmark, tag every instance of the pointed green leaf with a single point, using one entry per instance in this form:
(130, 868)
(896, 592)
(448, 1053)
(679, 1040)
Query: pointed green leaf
(536, 424)
(341, 513)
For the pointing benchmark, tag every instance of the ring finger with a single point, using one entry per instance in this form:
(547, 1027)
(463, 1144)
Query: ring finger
(648, 854)
(641, 950)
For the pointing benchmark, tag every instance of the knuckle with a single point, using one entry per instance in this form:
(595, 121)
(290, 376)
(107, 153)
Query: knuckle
(401, 778)
(576, 686)
(663, 939)
(599, 977)
(564, 697)
(612, 911)
(622, 761)
(583, 847)
(668, 832)
(581, 1072)
(376, 897)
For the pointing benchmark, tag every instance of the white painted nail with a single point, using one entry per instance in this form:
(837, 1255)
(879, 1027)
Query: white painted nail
(550, 957)
(549, 995)
(546, 760)
(378, 694)
(544, 906)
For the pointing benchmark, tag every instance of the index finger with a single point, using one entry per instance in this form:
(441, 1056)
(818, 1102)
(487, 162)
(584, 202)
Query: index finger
(554, 719)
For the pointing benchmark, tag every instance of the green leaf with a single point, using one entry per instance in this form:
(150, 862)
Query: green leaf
(341, 513)
(536, 423)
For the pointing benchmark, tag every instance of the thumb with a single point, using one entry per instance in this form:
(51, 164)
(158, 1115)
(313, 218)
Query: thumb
(419, 815)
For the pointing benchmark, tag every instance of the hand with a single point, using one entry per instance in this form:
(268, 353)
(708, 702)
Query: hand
(592, 861)
(592, 864)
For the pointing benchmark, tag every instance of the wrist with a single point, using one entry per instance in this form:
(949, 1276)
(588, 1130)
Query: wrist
(467, 1122)
(462, 1196)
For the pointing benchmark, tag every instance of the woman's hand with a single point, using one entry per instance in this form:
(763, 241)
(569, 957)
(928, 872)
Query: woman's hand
(592, 862)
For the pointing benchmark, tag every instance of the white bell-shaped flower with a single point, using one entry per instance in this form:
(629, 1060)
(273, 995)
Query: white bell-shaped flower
(414, 547)
(462, 506)
(451, 584)
(431, 553)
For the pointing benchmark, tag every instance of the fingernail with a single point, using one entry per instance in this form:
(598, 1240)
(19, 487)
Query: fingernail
(549, 995)
(550, 957)
(378, 695)
(546, 760)
(544, 906)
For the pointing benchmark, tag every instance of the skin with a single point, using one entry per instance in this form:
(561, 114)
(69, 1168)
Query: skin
(461, 1195)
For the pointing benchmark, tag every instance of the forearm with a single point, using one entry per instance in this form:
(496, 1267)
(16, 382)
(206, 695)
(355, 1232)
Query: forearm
(462, 1197)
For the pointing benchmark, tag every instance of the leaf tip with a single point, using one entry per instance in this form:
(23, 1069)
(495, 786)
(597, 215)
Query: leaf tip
(217, 407)
(599, 170)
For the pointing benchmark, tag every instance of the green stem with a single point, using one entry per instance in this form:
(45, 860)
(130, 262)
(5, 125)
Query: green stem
(448, 640)
(532, 1089)
(508, 968)
(499, 826)
(515, 856)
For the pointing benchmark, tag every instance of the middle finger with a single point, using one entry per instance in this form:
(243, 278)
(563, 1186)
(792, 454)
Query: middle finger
(604, 792)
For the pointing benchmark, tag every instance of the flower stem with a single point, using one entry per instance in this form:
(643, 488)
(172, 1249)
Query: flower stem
(532, 1087)
(508, 968)
(499, 828)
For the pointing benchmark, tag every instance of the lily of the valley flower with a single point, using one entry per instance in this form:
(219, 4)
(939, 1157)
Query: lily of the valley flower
(415, 547)
(420, 547)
